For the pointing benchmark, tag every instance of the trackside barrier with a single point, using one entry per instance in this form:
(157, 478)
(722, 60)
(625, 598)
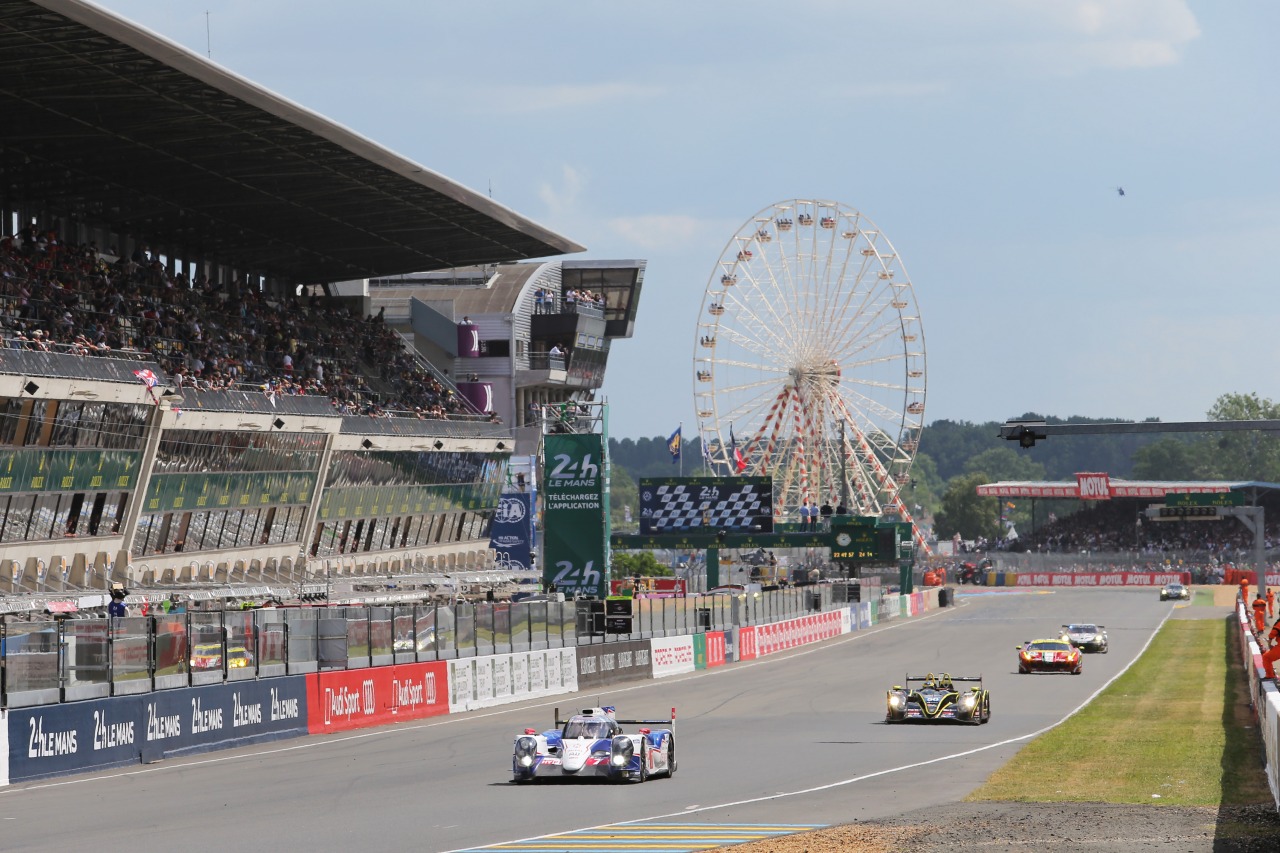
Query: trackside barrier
(708, 650)
(1097, 578)
(499, 679)
(745, 643)
(95, 734)
(789, 634)
(1234, 576)
(342, 700)
(4, 748)
(610, 663)
(673, 655)
(1265, 698)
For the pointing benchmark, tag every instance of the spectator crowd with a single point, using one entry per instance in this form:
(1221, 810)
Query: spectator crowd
(207, 335)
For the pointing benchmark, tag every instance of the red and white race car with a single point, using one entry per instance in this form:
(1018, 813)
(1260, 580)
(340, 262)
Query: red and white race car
(1049, 656)
(592, 745)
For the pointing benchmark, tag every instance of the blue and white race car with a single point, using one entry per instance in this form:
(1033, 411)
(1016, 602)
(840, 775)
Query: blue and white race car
(592, 745)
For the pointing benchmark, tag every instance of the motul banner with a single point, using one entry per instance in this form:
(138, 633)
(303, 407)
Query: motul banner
(354, 699)
(575, 515)
(1093, 487)
(1102, 578)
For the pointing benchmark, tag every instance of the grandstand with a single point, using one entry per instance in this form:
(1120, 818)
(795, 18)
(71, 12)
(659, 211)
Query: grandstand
(187, 399)
(1106, 525)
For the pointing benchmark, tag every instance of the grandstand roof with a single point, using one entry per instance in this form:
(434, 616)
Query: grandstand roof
(1119, 488)
(110, 124)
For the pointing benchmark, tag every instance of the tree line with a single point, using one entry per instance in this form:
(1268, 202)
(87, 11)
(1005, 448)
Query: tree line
(955, 457)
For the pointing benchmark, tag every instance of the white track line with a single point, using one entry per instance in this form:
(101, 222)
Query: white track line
(784, 794)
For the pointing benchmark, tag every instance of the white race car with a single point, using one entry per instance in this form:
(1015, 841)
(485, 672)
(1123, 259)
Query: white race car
(592, 745)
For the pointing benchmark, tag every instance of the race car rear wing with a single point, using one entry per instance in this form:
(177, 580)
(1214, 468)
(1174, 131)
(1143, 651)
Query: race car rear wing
(977, 678)
(606, 711)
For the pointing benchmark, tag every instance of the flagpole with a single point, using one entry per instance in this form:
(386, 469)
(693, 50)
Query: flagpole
(681, 431)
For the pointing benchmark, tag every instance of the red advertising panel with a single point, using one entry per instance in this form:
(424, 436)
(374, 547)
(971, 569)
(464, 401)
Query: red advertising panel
(715, 648)
(356, 699)
(1086, 579)
(1093, 486)
(747, 643)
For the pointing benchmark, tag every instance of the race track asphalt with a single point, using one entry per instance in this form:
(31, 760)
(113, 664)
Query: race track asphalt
(797, 738)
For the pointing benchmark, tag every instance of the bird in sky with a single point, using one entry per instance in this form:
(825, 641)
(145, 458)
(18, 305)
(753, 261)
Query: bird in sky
(1120, 191)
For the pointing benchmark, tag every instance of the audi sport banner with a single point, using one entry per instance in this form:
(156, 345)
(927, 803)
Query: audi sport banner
(1101, 578)
(575, 515)
(353, 699)
(511, 534)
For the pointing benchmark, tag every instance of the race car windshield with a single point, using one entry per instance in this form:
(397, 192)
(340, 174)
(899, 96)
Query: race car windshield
(586, 728)
(1050, 647)
(1082, 629)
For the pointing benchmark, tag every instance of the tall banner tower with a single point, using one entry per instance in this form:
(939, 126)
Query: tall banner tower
(575, 499)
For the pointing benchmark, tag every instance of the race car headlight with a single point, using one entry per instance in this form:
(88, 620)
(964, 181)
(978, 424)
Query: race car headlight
(622, 751)
(897, 700)
(968, 700)
(526, 748)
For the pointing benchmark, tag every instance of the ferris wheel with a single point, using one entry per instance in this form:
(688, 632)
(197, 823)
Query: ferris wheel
(809, 361)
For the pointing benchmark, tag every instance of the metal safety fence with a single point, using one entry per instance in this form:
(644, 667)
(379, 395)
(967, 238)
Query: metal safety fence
(65, 659)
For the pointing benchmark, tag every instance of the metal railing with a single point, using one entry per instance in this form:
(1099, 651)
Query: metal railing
(64, 660)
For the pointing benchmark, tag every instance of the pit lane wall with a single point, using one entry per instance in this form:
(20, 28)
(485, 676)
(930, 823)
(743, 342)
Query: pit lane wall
(1089, 579)
(1265, 699)
(99, 734)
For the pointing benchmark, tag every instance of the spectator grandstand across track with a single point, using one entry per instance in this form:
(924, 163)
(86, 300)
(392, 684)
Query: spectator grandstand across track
(1109, 527)
(184, 396)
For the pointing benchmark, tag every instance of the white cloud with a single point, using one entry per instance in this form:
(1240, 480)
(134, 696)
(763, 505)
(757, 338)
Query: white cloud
(1116, 33)
(660, 231)
(562, 199)
(534, 99)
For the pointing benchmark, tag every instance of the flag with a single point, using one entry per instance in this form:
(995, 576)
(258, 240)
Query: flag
(706, 451)
(738, 461)
(147, 377)
(673, 445)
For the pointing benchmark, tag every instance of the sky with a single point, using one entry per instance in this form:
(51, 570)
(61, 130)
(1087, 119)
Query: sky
(986, 139)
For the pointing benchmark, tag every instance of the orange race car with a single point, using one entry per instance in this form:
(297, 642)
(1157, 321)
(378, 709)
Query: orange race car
(1049, 656)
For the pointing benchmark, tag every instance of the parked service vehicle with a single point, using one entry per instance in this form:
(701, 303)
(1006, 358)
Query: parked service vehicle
(1086, 636)
(1175, 591)
(1055, 655)
(593, 745)
(932, 698)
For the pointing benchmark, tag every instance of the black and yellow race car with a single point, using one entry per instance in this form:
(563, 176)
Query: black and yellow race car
(936, 697)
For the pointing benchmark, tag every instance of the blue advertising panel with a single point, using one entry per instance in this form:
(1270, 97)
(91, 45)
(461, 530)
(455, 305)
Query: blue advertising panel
(511, 534)
(175, 722)
(55, 739)
(75, 737)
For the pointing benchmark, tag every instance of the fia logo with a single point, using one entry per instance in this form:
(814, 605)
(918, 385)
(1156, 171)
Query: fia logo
(570, 577)
(510, 511)
(567, 469)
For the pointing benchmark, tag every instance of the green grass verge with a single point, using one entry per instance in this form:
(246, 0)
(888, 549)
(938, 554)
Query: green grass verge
(1176, 725)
